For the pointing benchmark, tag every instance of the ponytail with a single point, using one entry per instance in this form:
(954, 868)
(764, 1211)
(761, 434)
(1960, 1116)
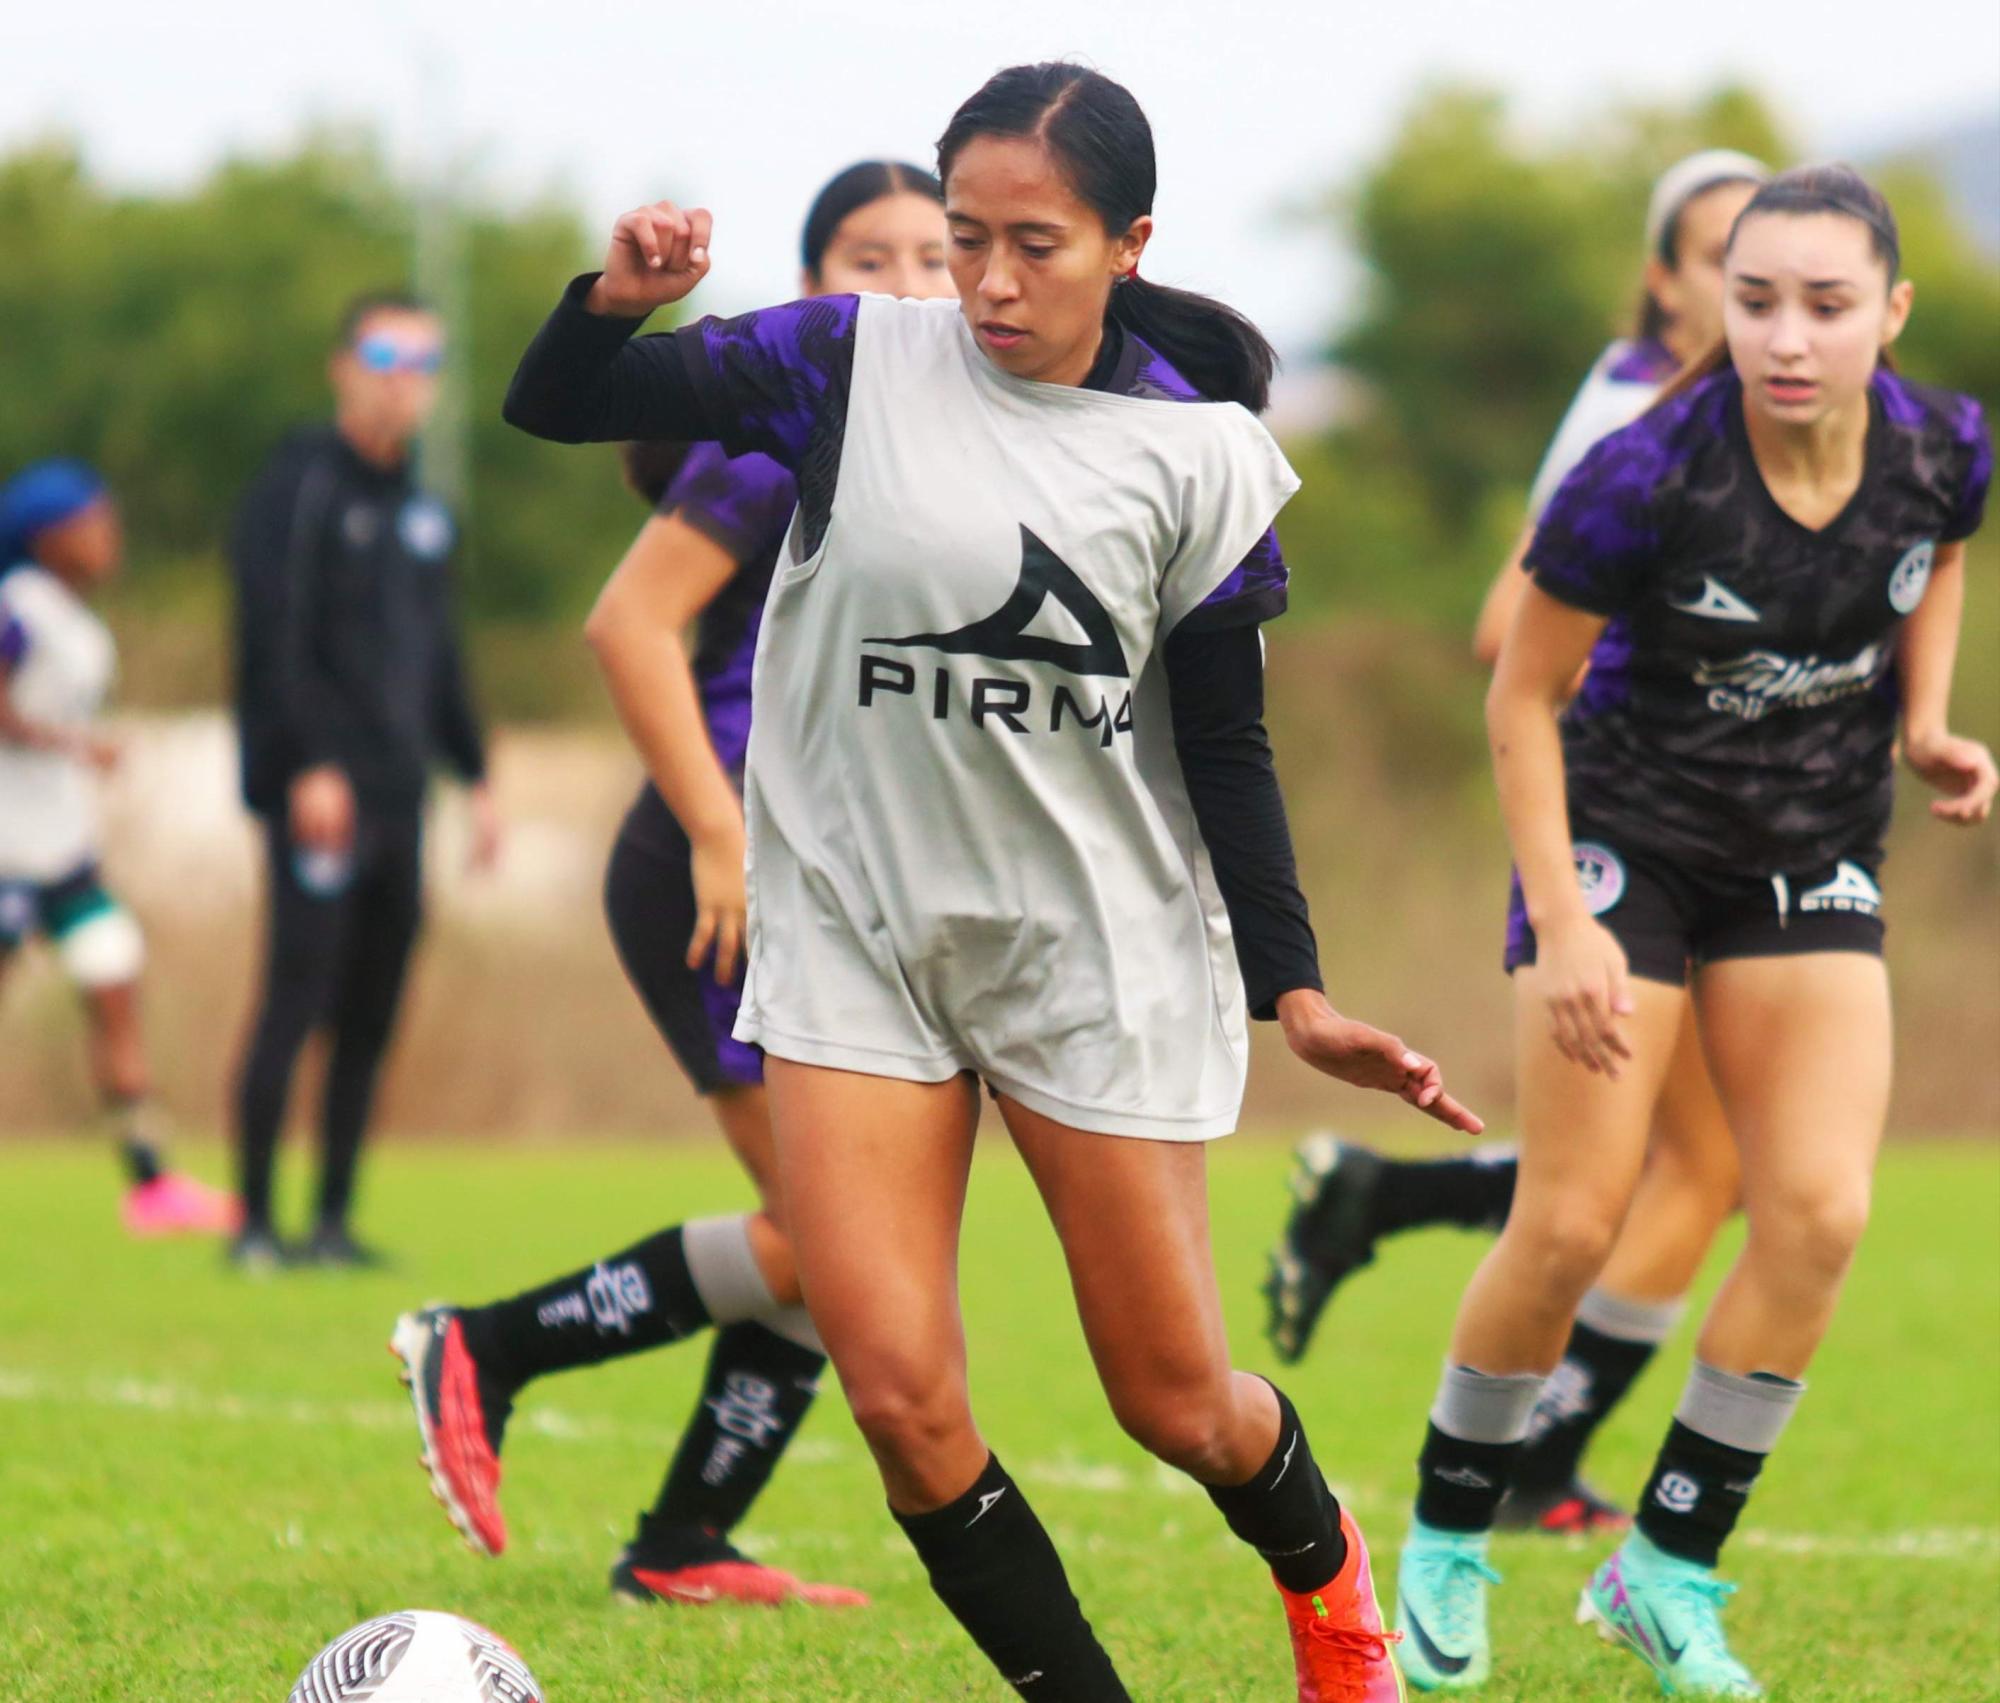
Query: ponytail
(649, 466)
(1096, 132)
(1213, 347)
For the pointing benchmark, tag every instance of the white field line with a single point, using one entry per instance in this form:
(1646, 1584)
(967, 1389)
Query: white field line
(1064, 1472)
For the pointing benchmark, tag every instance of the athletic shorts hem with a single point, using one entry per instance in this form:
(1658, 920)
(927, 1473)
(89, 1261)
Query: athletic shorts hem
(1100, 1120)
(1860, 941)
(846, 1055)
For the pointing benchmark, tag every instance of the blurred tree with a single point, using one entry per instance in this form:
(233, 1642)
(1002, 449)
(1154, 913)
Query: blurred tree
(172, 338)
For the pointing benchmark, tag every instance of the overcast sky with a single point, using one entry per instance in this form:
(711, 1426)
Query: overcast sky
(747, 105)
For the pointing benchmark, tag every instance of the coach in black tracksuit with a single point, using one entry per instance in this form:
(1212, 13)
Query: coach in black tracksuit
(349, 685)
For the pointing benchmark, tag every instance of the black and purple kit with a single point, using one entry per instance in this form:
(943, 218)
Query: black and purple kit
(1730, 756)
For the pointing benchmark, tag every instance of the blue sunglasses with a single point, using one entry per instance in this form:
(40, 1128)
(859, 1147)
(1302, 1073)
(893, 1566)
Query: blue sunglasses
(386, 355)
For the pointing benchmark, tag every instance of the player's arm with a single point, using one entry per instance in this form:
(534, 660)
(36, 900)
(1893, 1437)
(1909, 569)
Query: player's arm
(1215, 685)
(1579, 962)
(1503, 597)
(671, 573)
(1960, 768)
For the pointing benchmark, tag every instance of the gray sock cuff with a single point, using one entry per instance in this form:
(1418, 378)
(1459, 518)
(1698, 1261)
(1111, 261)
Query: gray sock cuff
(1745, 1413)
(1629, 1321)
(794, 1324)
(1476, 1407)
(725, 1270)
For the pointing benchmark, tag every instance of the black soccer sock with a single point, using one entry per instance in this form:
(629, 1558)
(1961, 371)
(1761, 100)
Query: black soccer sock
(1724, 1430)
(635, 1300)
(138, 1152)
(1474, 1191)
(1471, 1445)
(759, 1388)
(993, 1566)
(1286, 1512)
(1595, 1373)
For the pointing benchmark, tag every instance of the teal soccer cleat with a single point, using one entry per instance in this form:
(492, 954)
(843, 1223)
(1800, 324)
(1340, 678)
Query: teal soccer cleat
(1441, 1609)
(1668, 1612)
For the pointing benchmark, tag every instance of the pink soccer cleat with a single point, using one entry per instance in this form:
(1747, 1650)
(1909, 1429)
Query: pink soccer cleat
(176, 1205)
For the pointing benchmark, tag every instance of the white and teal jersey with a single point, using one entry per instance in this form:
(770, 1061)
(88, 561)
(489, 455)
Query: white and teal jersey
(970, 844)
(58, 662)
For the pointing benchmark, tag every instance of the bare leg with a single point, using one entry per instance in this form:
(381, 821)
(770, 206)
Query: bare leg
(117, 1043)
(745, 1116)
(1801, 1050)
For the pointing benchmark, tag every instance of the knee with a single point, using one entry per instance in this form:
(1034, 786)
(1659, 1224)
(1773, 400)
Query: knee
(1187, 1425)
(1813, 1232)
(909, 1415)
(1567, 1242)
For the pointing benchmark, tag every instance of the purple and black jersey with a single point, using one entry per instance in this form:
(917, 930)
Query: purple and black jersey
(781, 377)
(1740, 710)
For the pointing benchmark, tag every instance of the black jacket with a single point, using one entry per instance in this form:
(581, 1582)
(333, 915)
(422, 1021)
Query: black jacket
(346, 647)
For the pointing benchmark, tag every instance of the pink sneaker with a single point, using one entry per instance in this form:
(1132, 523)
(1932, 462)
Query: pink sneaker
(176, 1205)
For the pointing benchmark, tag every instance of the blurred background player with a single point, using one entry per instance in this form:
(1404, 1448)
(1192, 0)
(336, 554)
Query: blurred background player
(674, 895)
(1348, 1196)
(349, 684)
(60, 542)
(1765, 573)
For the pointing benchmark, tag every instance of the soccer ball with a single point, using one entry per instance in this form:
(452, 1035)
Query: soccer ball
(417, 1656)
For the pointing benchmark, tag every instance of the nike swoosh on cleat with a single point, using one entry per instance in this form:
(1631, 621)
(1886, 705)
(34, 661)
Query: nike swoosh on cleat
(1430, 1652)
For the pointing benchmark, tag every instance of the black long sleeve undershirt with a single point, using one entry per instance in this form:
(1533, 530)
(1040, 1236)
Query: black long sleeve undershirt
(586, 378)
(1215, 686)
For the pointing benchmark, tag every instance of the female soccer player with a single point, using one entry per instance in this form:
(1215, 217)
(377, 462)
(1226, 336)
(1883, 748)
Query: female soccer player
(1006, 769)
(674, 895)
(60, 542)
(1347, 1196)
(1761, 572)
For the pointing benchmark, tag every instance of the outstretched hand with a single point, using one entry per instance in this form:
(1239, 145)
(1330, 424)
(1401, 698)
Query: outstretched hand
(657, 256)
(1963, 770)
(1368, 1057)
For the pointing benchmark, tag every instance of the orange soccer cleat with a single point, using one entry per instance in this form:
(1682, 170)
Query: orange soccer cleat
(459, 1421)
(1339, 1647)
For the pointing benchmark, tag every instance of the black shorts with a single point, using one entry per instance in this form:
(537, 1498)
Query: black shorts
(649, 902)
(1668, 917)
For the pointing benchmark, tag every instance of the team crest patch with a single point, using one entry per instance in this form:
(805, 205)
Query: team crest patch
(1912, 575)
(425, 528)
(1600, 871)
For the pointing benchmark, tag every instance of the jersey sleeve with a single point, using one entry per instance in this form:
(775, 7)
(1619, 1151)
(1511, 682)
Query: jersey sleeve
(1596, 541)
(774, 380)
(743, 503)
(1228, 570)
(1601, 405)
(1970, 428)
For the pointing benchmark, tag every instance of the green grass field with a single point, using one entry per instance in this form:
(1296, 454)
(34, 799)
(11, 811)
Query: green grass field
(202, 1479)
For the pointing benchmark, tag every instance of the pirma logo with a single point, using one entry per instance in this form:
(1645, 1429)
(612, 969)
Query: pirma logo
(1912, 575)
(1008, 703)
(1003, 636)
(1600, 871)
(1677, 1493)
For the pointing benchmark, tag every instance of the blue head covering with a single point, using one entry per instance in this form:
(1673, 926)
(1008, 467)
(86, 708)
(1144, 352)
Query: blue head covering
(41, 495)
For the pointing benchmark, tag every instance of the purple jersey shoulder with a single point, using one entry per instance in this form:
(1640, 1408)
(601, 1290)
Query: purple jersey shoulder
(1598, 530)
(1257, 586)
(1950, 439)
(1642, 360)
(742, 502)
(773, 372)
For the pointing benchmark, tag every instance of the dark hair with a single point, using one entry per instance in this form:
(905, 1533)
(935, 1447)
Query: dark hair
(1800, 191)
(360, 308)
(1099, 136)
(860, 185)
(649, 466)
